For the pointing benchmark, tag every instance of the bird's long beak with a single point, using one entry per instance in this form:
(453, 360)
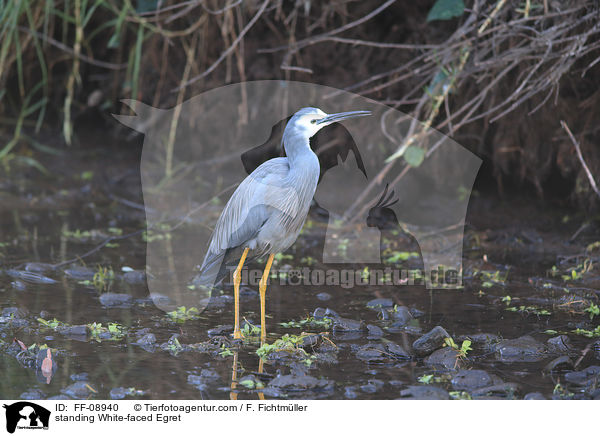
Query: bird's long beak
(333, 118)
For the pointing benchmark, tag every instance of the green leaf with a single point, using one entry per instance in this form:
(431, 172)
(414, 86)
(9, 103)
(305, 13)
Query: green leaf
(446, 9)
(414, 155)
(248, 384)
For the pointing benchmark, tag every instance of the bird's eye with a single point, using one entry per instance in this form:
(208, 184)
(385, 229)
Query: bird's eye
(313, 121)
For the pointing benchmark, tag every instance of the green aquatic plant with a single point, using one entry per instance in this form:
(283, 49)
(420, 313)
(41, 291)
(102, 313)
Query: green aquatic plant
(588, 333)
(250, 330)
(54, 324)
(112, 332)
(426, 379)
(529, 309)
(173, 346)
(323, 323)
(562, 392)
(225, 351)
(460, 395)
(103, 278)
(464, 348)
(183, 314)
(593, 310)
(401, 256)
(280, 256)
(309, 260)
(491, 278)
(79, 234)
(252, 384)
(289, 343)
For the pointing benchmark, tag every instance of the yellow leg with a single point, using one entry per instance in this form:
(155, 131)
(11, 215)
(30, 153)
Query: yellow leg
(263, 292)
(237, 278)
(261, 363)
(234, 395)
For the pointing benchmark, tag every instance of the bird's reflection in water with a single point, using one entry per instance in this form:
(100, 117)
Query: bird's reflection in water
(233, 395)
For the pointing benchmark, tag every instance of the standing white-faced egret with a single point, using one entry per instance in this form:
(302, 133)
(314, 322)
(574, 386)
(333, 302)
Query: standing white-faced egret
(267, 211)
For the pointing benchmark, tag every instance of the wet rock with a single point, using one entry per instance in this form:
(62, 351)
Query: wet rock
(80, 390)
(502, 389)
(383, 315)
(320, 313)
(222, 330)
(596, 347)
(30, 277)
(134, 277)
(372, 353)
(147, 341)
(32, 394)
(15, 312)
(111, 299)
(118, 393)
(79, 377)
(559, 345)
(161, 300)
(378, 303)
(60, 397)
(480, 338)
(342, 325)
(561, 363)
(38, 267)
(523, 349)
(430, 341)
(350, 393)
(75, 331)
(444, 359)
(534, 396)
(310, 342)
(402, 316)
(324, 296)
(210, 376)
(374, 332)
(416, 313)
(470, 379)
(204, 380)
(379, 353)
(424, 393)
(219, 302)
(396, 350)
(586, 376)
(299, 382)
(372, 386)
(80, 273)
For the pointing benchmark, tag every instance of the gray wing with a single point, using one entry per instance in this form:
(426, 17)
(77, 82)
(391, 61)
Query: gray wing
(255, 200)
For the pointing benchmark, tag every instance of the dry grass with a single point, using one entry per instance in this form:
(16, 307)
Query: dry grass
(499, 79)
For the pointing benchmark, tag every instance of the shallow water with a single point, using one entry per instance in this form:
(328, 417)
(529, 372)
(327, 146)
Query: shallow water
(518, 236)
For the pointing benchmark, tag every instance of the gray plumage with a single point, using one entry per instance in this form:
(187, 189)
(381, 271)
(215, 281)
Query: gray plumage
(268, 209)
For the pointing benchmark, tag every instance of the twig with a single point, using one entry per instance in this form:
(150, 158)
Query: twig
(227, 51)
(580, 156)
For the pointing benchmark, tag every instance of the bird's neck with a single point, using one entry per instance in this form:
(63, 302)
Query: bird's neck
(303, 162)
(297, 148)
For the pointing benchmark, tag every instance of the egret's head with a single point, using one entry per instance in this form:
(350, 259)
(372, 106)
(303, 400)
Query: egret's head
(310, 120)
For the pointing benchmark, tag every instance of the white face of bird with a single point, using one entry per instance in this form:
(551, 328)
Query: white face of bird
(311, 120)
(308, 122)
